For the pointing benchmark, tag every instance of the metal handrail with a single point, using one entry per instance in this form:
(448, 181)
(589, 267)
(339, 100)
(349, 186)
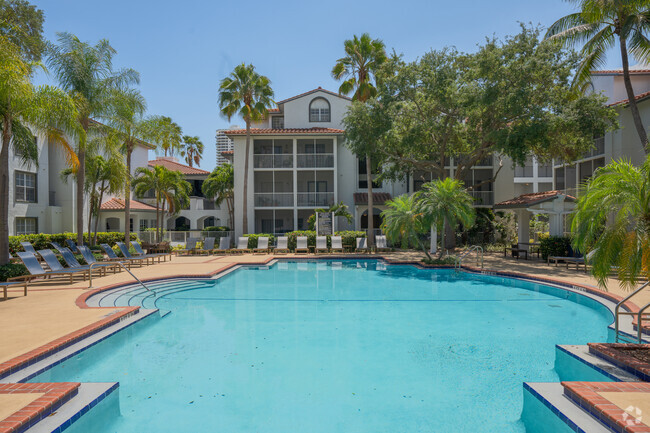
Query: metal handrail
(477, 248)
(90, 275)
(617, 312)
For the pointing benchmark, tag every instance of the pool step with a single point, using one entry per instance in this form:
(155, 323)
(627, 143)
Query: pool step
(137, 296)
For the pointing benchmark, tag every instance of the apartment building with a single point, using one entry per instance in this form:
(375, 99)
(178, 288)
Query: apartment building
(224, 144)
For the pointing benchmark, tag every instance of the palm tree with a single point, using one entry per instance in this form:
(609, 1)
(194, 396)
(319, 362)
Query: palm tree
(220, 186)
(86, 73)
(248, 94)
(597, 26)
(171, 191)
(127, 125)
(104, 176)
(338, 209)
(612, 221)
(357, 69)
(192, 149)
(22, 105)
(446, 202)
(404, 222)
(167, 134)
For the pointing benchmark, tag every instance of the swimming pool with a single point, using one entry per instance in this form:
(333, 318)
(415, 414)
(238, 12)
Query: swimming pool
(336, 347)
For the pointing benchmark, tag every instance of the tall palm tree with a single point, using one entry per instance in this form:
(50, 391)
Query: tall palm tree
(446, 202)
(363, 57)
(22, 105)
(104, 176)
(192, 149)
(170, 190)
(248, 94)
(167, 134)
(86, 72)
(220, 186)
(127, 124)
(596, 26)
(404, 222)
(612, 222)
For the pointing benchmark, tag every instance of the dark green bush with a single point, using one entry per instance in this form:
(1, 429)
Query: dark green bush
(12, 270)
(216, 229)
(348, 238)
(41, 241)
(252, 239)
(554, 246)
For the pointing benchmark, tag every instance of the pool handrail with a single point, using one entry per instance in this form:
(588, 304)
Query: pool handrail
(477, 248)
(639, 314)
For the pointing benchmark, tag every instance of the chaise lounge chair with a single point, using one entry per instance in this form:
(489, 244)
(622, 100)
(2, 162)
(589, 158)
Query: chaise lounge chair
(72, 245)
(4, 286)
(125, 252)
(262, 245)
(114, 257)
(208, 246)
(224, 245)
(301, 245)
(73, 263)
(321, 245)
(380, 243)
(242, 246)
(90, 259)
(190, 246)
(362, 245)
(337, 244)
(29, 248)
(36, 270)
(141, 252)
(56, 267)
(282, 245)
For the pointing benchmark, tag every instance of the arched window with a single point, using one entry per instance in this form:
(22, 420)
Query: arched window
(319, 110)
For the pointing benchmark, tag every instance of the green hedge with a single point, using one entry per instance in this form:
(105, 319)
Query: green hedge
(216, 229)
(41, 241)
(252, 239)
(12, 270)
(554, 246)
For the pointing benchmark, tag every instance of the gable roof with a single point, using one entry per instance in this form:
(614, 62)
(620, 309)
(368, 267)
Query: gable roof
(118, 204)
(319, 89)
(172, 164)
(288, 131)
(528, 200)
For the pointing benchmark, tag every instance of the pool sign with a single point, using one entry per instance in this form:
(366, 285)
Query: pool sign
(324, 226)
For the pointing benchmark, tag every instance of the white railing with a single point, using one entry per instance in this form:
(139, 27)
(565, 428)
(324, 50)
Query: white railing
(315, 160)
(273, 161)
(180, 237)
(320, 199)
(270, 199)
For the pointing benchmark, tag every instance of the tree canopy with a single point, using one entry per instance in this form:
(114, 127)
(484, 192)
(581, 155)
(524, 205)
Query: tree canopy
(22, 24)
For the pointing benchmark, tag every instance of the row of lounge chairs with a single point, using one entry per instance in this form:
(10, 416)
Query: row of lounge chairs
(282, 245)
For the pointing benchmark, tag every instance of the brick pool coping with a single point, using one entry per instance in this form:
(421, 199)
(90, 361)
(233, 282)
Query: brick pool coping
(54, 395)
(626, 362)
(26, 359)
(585, 394)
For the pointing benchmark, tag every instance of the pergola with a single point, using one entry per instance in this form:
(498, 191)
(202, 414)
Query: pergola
(555, 204)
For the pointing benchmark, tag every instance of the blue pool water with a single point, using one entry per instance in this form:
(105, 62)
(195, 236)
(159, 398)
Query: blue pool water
(336, 347)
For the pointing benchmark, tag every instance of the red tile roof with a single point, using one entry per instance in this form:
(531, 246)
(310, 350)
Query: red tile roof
(294, 131)
(172, 164)
(118, 204)
(319, 89)
(378, 198)
(274, 110)
(620, 72)
(638, 97)
(527, 200)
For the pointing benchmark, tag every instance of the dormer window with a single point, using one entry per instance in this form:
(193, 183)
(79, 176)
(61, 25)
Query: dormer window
(319, 110)
(277, 122)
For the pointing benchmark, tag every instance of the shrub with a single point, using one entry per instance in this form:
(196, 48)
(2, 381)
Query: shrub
(554, 246)
(41, 241)
(252, 239)
(12, 270)
(216, 229)
(446, 260)
(348, 238)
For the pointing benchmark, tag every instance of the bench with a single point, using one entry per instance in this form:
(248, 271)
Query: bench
(516, 250)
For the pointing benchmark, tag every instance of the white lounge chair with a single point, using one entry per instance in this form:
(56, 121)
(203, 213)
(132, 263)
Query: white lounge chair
(301, 245)
(362, 245)
(337, 244)
(262, 245)
(242, 245)
(282, 245)
(380, 243)
(321, 245)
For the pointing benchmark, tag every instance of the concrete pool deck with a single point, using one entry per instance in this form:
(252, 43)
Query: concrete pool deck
(53, 313)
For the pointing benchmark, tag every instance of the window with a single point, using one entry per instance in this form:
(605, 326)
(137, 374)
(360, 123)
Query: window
(25, 186)
(26, 226)
(277, 122)
(363, 178)
(143, 225)
(319, 110)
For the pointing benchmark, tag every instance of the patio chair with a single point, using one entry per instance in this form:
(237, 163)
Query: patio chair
(321, 245)
(301, 245)
(208, 246)
(242, 246)
(224, 245)
(125, 252)
(337, 244)
(90, 259)
(362, 245)
(8, 284)
(29, 248)
(72, 245)
(57, 246)
(190, 246)
(73, 263)
(56, 267)
(262, 245)
(36, 270)
(141, 252)
(380, 243)
(282, 245)
(114, 257)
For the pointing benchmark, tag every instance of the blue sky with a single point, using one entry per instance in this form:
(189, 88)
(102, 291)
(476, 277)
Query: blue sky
(183, 49)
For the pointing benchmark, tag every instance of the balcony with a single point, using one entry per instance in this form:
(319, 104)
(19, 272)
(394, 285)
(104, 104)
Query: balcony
(269, 199)
(273, 161)
(315, 199)
(315, 160)
(483, 198)
(525, 171)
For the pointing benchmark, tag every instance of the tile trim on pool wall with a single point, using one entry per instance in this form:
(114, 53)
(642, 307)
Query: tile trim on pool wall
(54, 395)
(625, 362)
(556, 411)
(587, 363)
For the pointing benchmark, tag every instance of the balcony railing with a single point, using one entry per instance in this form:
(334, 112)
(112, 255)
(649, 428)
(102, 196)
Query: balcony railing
(270, 199)
(313, 199)
(315, 160)
(273, 161)
(483, 198)
(526, 171)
